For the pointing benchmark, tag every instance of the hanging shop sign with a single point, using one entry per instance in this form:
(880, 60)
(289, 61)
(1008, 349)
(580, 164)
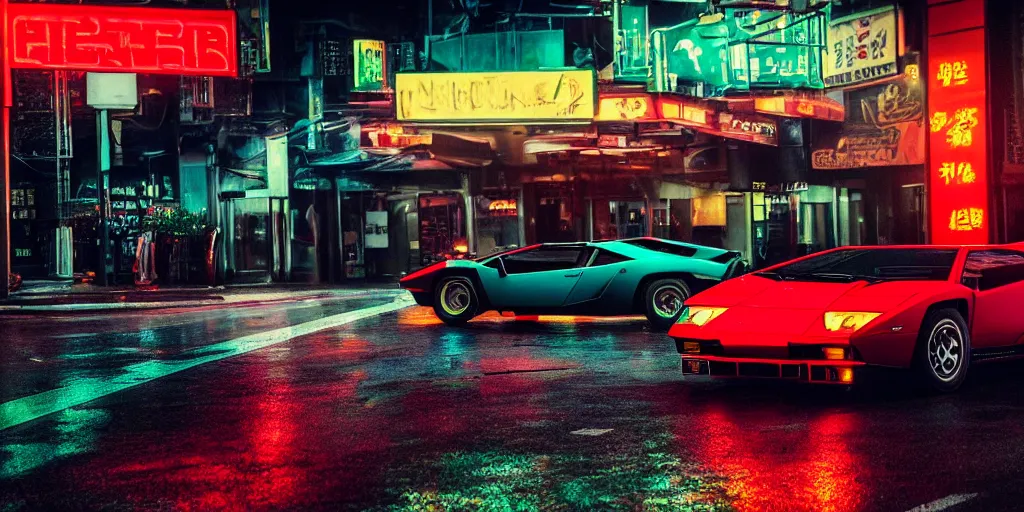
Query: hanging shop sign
(529, 97)
(634, 107)
(122, 39)
(705, 117)
(886, 126)
(369, 59)
(958, 137)
(740, 49)
(862, 47)
(808, 105)
(749, 127)
(376, 234)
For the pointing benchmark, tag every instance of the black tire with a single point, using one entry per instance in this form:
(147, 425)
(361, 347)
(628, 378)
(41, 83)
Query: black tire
(455, 300)
(943, 353)
(655, 297)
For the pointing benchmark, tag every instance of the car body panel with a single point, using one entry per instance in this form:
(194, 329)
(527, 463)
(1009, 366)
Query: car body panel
(594, 289)
(770, 318)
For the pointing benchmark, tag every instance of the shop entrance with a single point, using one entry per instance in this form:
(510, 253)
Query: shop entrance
(619, 219)
(442, 219)
(774, 240)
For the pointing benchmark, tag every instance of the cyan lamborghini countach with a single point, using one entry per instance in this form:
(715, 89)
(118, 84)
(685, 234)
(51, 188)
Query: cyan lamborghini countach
(646, 276)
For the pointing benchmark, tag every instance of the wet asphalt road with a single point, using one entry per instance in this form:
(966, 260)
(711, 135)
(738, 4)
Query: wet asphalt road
(390, 410)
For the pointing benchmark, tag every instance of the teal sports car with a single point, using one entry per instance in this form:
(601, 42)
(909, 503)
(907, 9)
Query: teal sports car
(604, 278)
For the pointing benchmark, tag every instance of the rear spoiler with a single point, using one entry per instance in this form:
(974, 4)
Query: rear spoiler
(726, 257)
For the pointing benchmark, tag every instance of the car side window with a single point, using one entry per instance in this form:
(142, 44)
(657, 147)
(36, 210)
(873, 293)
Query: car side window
(544, 259)
(994, 268)
(606, 257)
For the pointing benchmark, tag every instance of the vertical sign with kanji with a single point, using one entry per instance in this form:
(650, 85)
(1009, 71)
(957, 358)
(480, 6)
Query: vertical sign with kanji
(958, 130)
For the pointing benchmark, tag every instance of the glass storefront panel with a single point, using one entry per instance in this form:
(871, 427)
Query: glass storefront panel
(442, 219)
(497, 222)
(252, 228)
(619, 219)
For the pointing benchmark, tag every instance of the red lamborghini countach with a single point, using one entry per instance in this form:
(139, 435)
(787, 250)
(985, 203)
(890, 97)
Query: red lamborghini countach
(825, 317)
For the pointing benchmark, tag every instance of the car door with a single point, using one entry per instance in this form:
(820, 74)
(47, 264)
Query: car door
(603, 268)
(999, 273)
(539, 278)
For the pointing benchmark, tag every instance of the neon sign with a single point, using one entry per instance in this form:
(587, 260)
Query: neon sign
(123, 39)
(625, 108)
(958, 152)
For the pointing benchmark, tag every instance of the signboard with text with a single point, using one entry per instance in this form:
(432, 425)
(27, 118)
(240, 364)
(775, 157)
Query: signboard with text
(123, 39)
(885, 126)
(958, 137)
(497, 97)
(861, 47)
(369, 58)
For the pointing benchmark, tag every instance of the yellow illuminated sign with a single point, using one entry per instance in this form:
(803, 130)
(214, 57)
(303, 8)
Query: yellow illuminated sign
(496, 97)
(625, 108)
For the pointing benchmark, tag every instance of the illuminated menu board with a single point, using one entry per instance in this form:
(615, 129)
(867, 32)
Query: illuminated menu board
(958, 130)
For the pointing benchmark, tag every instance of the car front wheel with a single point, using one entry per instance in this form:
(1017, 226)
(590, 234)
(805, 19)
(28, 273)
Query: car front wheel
(455, 300)
(943, 350)
(664, 300)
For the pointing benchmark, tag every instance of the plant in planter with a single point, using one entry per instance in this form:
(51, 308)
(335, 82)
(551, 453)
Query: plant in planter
(179, 235)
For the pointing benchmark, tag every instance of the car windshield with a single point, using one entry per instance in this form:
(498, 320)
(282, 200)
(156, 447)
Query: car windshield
(847, 265)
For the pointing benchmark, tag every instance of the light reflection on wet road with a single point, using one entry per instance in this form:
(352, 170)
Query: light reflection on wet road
(399, 411)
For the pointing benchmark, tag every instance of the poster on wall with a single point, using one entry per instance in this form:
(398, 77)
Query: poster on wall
(885, 125)
(861, 47)
(376, 234)
(369, 72)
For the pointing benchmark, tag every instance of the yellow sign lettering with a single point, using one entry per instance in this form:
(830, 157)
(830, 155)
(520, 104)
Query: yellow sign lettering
(512, 96)
(961, 133)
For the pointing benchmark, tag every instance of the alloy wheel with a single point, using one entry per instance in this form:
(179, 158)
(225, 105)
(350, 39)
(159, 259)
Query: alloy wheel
(455, 297)
(946, 350)
(668, 301)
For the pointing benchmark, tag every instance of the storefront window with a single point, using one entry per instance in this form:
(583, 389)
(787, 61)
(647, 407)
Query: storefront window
(442, 226)
(251, 235)
(619, 219)
(497, 223)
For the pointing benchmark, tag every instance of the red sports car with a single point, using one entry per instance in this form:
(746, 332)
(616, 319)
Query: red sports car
(825, 317)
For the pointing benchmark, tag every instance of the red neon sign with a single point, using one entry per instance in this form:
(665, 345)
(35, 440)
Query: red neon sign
(122, 39)
(958, 136)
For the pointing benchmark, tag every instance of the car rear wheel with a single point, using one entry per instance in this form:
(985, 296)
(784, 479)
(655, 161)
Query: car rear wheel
(943, 350)
(664, 300)
(455, 300)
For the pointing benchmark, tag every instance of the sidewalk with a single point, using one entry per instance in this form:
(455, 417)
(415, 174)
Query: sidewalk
(58, 296)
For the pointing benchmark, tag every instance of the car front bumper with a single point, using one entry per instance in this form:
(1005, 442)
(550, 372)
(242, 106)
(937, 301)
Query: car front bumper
(841, 372)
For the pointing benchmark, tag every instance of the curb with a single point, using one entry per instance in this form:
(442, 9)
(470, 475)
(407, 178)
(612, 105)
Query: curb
(144, 306)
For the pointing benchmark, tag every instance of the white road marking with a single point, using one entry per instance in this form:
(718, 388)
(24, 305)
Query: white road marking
(85, 390)
(591, 431)
(942, 504)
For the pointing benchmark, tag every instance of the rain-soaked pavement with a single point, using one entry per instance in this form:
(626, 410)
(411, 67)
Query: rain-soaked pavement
(363, 402)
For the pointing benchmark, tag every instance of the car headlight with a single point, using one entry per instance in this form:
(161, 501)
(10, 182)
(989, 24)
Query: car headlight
(699, 315)
(848, 321)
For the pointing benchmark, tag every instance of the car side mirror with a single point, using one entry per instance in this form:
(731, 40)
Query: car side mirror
(501, 268)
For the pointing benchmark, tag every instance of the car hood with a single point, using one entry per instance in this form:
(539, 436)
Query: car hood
(759, 292)
(758, 304)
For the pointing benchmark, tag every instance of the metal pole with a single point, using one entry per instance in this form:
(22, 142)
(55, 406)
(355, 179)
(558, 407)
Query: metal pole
(102, 186)
(430, 33)
(5, 162)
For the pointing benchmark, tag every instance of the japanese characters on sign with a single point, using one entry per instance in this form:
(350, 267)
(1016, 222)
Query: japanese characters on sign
(958, 140)
(861, 47)
(502, 96)
(123, 39)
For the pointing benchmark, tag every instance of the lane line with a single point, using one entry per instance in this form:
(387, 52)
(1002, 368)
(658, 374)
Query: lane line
(84, 390)
(943, 503)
